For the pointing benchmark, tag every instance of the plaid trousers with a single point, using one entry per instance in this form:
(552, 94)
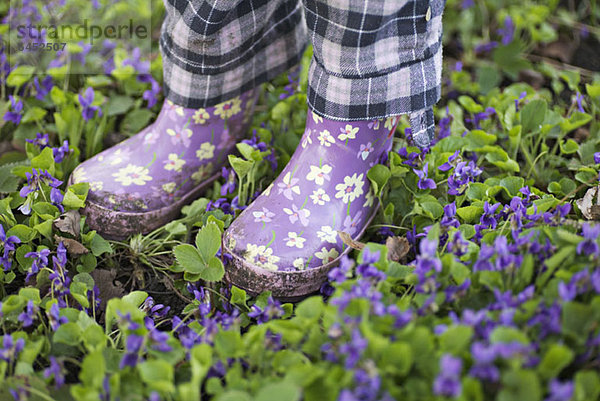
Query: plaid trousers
(372, 58)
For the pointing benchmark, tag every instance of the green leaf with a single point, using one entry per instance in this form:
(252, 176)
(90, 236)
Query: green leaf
(68, 333)
(505, 334)
(240, 166)
(533, 114)
(44, 161)
(24, 233)
(512, 185)
(8, 181)
(215, 270)
(379, 175)
(100, 246)
(208, 241)
(189, 258)
(311, 308)
(33, 114)
(470, 214)
(72, 201)
(568, 147)
(398, 358)
(470, 105)
(477, 139)
(576, 120)
(20, 75)
(520, 384)
(137, 119)
(228, 344)
(158, 375)
(93, 369)
(587, 385)
(280, 111)
(576, 320)
(238, 296)
(118, 105)
(44, 228)
(552, 264)
(555, 360)
(281, 391)
(456, 339)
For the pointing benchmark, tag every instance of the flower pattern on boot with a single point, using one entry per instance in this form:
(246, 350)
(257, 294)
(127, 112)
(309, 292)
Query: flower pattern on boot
(165, 161)
(293, 225)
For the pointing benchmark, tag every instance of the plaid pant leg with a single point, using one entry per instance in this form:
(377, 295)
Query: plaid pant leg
(214, 50)
(375, 59)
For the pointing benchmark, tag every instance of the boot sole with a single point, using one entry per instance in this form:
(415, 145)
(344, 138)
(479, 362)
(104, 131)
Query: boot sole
(116, 225)
(287, 286)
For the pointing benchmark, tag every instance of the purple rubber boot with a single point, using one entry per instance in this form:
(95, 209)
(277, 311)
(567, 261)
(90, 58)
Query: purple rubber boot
(286, 241)
(142, 182)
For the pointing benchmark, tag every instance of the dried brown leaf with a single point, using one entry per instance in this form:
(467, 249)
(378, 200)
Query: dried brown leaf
(397, 248)
(109, 289)
(73, 247)
(585, 204)
(347, 239)
(69, 223)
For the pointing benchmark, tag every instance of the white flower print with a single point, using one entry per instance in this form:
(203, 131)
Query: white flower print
(79, 175)
(229, 108)
(351, 188)
(177, 109)
(174, 163)
(326, 255)
(96, 186)
(349, 132)
(317, 118)
(132, 174)
(297, 214)
(150, 138)
(261, 256)
(390, 122)
(294, 240)
(319, 174)
(202, 173)
(200, 116)
(169, 187)
(365, 150)
(267, 191)
(320, 197)
(298, 263)
(288, 186)
(263, 216)
(325, 138)
(307, 139)
(180, 136)
(206, 151)
(327, 233)
(118, 156)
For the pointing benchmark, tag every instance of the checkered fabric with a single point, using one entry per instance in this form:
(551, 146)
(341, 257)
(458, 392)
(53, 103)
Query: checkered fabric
(372, 58)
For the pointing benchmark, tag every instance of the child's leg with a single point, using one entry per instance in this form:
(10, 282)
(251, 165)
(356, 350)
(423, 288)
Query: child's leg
(373, 60)
(215, 53)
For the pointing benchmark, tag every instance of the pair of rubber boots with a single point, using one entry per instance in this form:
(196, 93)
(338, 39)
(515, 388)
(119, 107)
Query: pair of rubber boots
(287, 240)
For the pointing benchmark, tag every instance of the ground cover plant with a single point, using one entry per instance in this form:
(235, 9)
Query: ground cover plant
(478, 280)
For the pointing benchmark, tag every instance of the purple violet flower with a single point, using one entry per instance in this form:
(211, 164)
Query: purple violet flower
(560, 391)
(88, 111)
(15, 113)
(55, 370)
(447, 383)
(424, 182)
(508, 32)
(28, 315)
